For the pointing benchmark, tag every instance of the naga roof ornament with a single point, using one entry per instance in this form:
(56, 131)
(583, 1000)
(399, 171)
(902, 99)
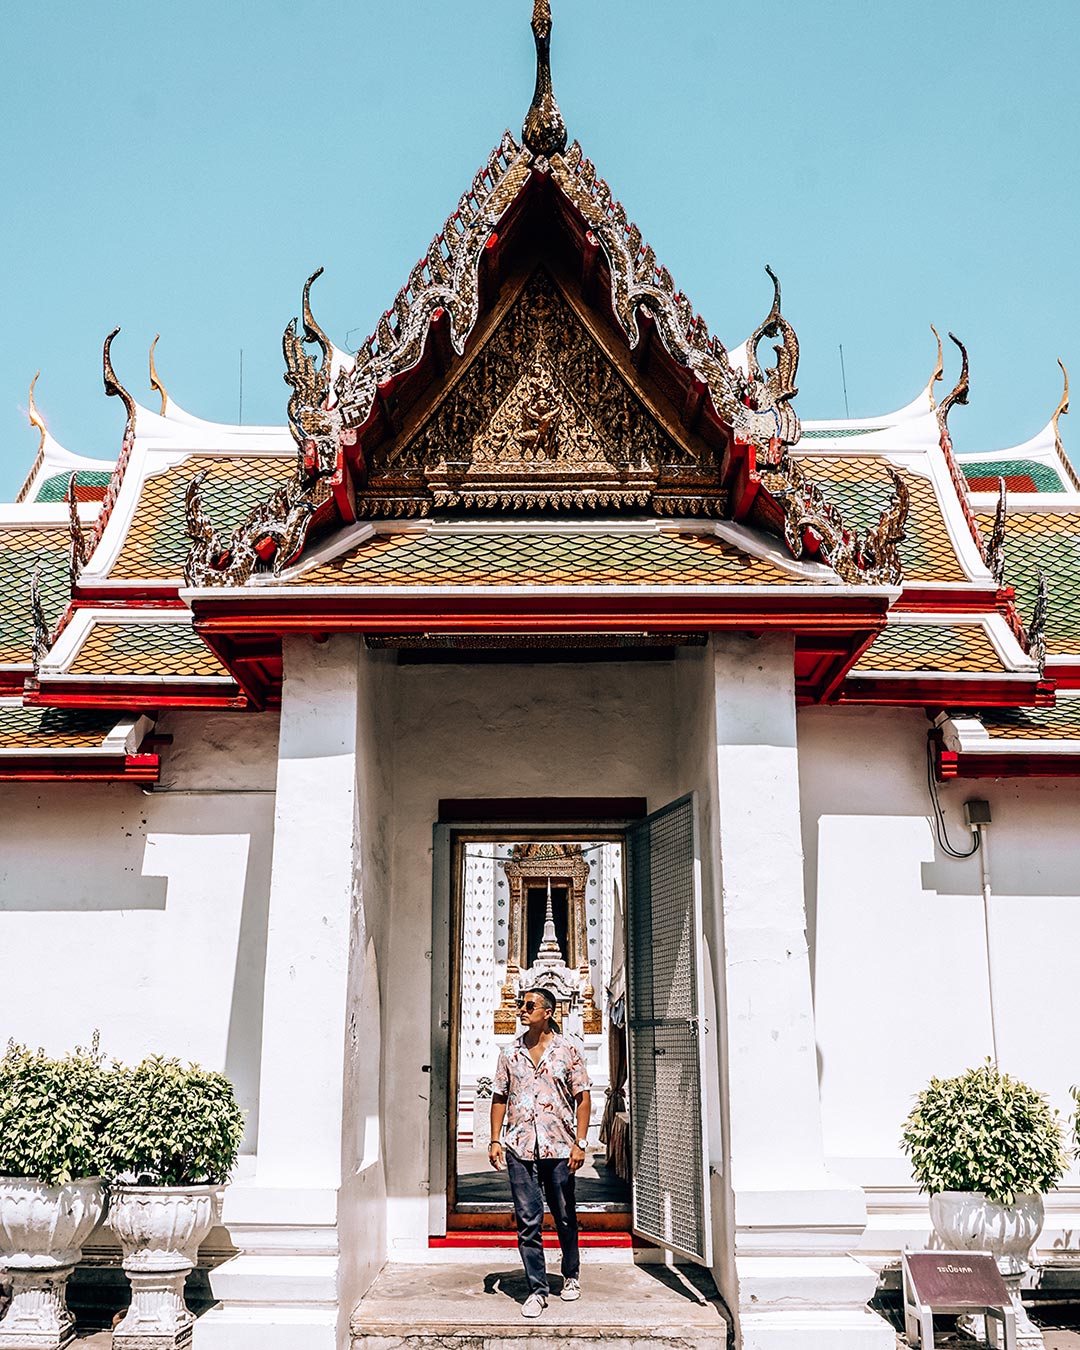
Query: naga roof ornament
(960, 391)
(995, 549)
(870, 557)
(39, 646)
(274, 531)
(114, 388)
(1035, 631)
(79, 549)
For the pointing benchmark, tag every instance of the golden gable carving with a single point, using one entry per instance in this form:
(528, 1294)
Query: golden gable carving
(541, 418)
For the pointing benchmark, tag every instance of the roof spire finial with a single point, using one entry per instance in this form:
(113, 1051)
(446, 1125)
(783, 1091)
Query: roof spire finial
(544, 132)
(155, 383)
(36, 419)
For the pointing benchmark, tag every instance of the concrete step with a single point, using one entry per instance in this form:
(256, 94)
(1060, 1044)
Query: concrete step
(276, 1279)
(478, 1307)
(266, 1328)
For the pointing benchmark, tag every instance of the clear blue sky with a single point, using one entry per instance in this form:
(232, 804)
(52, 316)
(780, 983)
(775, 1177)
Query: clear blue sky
(183, 168)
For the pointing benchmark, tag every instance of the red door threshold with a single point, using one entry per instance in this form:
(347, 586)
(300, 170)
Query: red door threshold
(477, 1238)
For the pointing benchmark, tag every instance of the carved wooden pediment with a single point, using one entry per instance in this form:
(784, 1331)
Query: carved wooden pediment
(542, 418)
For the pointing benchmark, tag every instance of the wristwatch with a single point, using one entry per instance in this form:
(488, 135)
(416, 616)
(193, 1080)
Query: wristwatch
(582, 1144)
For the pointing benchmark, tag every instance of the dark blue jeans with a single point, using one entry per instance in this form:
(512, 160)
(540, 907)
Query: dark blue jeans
(530, 1180)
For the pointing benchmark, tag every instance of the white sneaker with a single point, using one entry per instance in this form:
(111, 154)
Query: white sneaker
(534, 1305)
(571, 1290)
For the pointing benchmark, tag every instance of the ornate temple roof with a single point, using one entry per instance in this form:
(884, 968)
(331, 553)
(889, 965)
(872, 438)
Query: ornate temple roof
(542, 442)
(87, 745)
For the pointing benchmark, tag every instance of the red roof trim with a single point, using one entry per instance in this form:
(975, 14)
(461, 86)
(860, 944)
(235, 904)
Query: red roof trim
(985, 691)
(564, 612)
(1034, 765)
(80, 769)
(130, 695)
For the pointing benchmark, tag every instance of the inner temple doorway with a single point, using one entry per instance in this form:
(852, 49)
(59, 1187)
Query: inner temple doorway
(531, 908)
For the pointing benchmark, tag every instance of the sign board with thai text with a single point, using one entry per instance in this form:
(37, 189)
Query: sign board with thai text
(952, 1283)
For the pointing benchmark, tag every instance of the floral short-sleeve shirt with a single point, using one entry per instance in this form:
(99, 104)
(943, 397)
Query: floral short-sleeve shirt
(540, 1113)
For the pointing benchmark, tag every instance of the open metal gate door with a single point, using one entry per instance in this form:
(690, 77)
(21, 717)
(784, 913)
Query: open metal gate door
(670, 1190)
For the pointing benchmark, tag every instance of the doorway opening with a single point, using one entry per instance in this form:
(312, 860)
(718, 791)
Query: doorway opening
(546, 908)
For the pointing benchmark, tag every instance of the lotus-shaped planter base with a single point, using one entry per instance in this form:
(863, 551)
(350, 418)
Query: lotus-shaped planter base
(42, 1230)
(160, 1229)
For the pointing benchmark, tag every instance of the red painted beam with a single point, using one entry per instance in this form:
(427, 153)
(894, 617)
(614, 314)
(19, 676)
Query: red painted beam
(1034, 765)
(134, 595)
(423, 612)
(130, 696)
(916, 599)
(961, 691)
(46, 768)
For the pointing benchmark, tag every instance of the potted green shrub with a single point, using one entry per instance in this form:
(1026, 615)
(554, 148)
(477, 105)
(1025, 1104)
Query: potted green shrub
(986, 1148)
(53, 1114)
(169, 1148)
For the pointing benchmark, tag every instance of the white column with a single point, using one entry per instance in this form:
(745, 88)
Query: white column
(288, 1291)
(314, 879)
(794, 1225)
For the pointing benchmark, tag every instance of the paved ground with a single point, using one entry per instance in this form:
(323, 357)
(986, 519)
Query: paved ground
(484, 1300)
(486, 1295)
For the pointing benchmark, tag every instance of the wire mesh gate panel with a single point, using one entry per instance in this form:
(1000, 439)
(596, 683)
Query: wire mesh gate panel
(664, 930)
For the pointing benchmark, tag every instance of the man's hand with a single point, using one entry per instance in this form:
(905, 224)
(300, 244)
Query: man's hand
(577, 1158)
(495, 1155)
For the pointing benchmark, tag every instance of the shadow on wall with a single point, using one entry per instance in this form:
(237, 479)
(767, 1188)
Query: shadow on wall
(76, 850)
(173, 893)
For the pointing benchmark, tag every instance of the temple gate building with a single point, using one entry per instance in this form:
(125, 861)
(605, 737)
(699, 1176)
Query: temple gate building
(545, 634)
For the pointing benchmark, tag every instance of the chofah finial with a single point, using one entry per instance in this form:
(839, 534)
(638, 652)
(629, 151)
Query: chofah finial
(544, 132)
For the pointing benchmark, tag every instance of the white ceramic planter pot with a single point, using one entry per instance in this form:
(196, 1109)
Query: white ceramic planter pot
(42, 1230)
(160, 1229)
(968, 1221)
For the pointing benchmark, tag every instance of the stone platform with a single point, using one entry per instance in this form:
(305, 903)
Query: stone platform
(478, 1307)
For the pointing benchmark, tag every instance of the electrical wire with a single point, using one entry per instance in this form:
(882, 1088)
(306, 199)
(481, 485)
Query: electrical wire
(940, 830)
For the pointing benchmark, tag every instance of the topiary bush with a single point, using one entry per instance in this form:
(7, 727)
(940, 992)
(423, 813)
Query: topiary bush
(53, 1114)
(174, 1125)
(984, 1131)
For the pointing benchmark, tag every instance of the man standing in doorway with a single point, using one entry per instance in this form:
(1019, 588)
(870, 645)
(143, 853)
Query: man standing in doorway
(541, 1091)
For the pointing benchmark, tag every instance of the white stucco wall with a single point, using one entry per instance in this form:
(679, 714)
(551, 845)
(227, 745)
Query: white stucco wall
(142, 915)
(897, 937)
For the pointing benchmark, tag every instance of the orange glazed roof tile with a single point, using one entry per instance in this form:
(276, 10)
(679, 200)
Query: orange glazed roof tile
(961, 648)
(538, 558)
(1060, 723)
(140, 649)
(157, 543)
(860, 486)
(23, 548)
(1049, 540)
(45, 729)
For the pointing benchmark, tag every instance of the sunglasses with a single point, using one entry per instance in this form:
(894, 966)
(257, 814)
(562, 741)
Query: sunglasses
(530, 1005)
